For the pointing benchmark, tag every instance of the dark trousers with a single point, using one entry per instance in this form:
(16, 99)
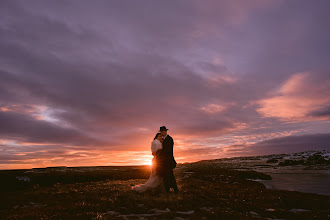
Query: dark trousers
(169, 181)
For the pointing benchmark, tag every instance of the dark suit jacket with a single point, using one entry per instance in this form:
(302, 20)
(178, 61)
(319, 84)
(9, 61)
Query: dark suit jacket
(167, 152)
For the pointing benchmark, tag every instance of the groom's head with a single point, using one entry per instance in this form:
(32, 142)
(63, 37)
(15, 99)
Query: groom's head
(163, 130)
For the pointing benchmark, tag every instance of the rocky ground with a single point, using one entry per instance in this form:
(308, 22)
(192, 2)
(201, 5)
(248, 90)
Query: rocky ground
(214, 189)
(307, 160)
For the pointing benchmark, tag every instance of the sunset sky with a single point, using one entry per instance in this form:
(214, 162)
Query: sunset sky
(86, 83)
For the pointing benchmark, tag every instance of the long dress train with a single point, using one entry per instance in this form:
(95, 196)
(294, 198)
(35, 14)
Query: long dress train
(154, 180)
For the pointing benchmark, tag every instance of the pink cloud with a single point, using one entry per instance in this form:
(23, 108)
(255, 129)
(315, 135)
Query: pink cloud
(297, 99)
(213, 108)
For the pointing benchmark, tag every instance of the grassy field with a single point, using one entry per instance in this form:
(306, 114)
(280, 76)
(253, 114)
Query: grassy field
(207, 191)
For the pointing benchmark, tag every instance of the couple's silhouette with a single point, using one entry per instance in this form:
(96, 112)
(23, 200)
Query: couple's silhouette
(163, 163)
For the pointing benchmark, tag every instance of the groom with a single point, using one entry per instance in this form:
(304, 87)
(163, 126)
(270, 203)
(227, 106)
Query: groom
(168, 162)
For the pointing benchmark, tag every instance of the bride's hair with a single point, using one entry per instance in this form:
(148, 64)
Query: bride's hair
(157, 136)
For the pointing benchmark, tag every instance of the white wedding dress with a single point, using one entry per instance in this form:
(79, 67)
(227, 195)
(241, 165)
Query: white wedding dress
(154, 181)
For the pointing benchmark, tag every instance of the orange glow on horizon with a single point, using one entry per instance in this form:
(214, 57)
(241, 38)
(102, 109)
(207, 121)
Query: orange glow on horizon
(186, 150)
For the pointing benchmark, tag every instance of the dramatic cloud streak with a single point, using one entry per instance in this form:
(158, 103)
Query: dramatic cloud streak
(304, 96)
(97, 79)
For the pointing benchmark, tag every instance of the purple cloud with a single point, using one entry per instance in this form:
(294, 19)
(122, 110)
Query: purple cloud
(102, 77)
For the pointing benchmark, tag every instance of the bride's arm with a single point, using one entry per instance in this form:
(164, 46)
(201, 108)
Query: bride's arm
(155, 147)
(159, 148)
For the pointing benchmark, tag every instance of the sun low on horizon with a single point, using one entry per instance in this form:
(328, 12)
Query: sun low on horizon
(90, 83)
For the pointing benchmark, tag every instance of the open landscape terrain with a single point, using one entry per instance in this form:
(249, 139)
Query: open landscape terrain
(238, 91)
(229, 188)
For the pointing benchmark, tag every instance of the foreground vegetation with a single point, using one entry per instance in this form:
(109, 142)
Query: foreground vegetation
(207, 191)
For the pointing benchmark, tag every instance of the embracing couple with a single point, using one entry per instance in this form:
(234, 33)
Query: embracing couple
(163, 163)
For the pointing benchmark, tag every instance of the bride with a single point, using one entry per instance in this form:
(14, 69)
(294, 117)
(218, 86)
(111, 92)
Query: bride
(154, 180)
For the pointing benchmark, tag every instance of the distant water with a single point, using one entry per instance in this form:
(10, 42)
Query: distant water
(310, 181)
